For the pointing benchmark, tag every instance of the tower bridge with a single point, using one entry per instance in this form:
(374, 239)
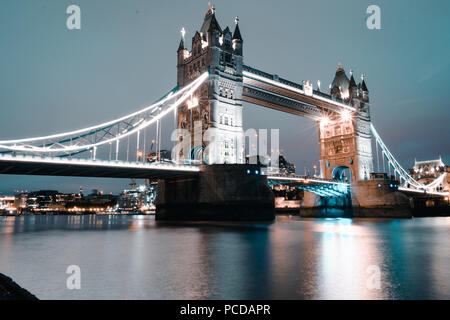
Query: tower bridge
(212, 84)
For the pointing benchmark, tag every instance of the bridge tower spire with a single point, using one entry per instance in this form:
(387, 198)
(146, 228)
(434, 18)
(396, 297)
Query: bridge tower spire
(219, 99)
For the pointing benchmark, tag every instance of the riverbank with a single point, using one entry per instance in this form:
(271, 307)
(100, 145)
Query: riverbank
(9, 290)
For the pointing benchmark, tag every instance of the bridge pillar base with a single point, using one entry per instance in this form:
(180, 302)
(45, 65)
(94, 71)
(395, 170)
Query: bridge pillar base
(379, 199)
(220, 192)
(314, 206)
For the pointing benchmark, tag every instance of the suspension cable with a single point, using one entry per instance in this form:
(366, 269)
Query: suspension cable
(106, 127)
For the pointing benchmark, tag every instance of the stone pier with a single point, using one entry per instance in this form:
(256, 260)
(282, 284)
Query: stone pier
(219, 192)
(369, 199)
(316, 206)
(379, 199)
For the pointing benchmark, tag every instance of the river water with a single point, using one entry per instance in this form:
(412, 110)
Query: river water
(135, 257)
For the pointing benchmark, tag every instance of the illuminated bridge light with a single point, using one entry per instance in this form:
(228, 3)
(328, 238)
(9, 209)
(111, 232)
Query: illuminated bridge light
(346, 115)
(324, 121)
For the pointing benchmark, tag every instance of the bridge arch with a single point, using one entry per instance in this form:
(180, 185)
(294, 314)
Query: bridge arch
(342, 173)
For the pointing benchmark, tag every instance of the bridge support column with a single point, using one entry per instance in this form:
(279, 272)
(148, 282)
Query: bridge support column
(220, 192)
(317, 206)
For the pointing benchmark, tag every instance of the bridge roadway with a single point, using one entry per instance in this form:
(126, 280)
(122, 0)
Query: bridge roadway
(75, 167)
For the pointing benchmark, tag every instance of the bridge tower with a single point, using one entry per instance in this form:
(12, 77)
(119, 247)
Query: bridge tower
(345, 140)
(217, 104)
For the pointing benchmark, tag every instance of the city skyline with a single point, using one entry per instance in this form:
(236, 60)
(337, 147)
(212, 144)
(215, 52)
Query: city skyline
(107, 69)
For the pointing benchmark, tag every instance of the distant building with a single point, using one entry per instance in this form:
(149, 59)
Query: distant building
(285, 166)
(53, 201)
(426, 172)
(96, 201)
(7, 204)
(43, 200)
(138, 200)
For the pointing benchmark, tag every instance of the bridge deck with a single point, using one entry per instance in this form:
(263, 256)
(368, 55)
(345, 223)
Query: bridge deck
(28, 165)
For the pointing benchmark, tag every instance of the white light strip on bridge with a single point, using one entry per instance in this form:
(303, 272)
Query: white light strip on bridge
(307, 180)
(392, 161)
(403, 174)
(192, 87)
(443, 194)
(172, 94)
(99, 163)
(285, 86)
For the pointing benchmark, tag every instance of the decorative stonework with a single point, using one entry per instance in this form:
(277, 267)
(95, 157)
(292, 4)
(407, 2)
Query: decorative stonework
(346, 144)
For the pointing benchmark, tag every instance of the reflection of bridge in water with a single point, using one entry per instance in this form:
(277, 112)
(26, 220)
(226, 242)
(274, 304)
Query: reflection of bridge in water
(207, 105)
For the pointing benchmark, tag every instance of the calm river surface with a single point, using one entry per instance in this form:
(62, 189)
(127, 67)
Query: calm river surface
(134, 257)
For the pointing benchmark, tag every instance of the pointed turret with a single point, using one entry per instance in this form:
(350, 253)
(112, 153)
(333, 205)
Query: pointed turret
(363, 85)
(340, 85)
(237, 38)
(365, 91)
(353, 87)
(237, 31)
(182, 54)
(226, 31)
(182, 46)
(352, 80)
(211, 10)
(210, 24)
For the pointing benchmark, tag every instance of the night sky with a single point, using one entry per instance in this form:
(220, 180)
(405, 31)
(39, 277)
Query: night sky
(53, 79)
